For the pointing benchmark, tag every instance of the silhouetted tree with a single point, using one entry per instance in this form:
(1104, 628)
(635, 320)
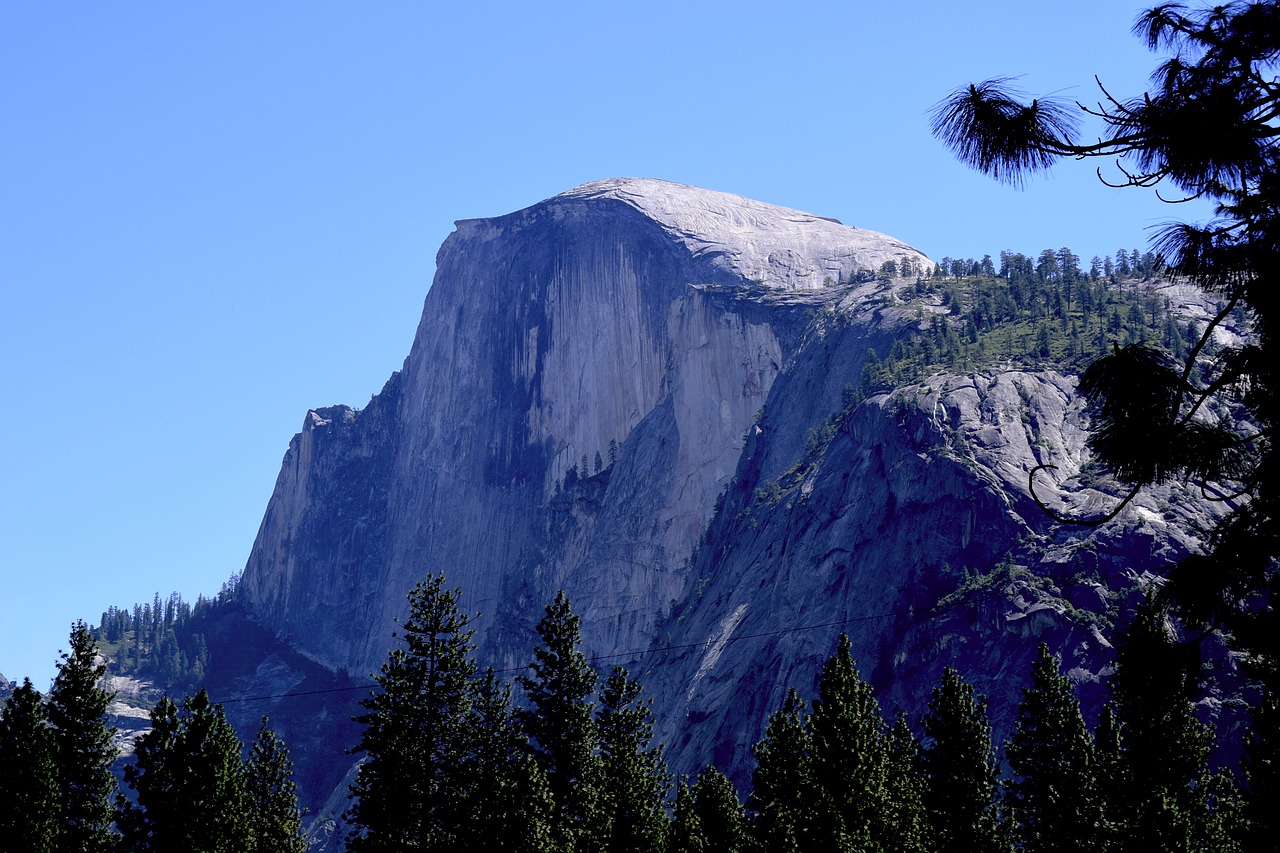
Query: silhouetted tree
(29, 803)
(509, 804)
(1053, 798)
(562, 726)
(275, 823)
(1164, 748)
(409, 792)
(784, 794)
(685, 834)
(720, 814)
(77, 710)
(959, 767)
(634, 778)
(860, 788)
(189, 783)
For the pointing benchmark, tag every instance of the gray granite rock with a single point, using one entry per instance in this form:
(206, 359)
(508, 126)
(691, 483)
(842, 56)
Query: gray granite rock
(752, 511)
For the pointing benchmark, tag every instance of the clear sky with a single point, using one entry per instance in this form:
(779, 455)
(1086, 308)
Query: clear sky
(215, 216)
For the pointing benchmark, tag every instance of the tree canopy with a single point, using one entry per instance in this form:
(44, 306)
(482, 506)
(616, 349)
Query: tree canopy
(189, 782)
(29, 812)
(1206, 129)
(77, 710)
(410, 788)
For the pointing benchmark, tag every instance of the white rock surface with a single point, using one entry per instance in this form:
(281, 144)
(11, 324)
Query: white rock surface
(775, 246)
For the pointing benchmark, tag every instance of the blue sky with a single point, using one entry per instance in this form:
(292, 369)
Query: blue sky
(216, 216)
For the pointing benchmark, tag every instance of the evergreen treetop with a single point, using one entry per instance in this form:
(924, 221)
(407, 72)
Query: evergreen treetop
(1053, 798)
(561, 723)
(634, 779)
(30, 812)
(190, 783)
(275, 824)
(409, 791)
(959, 768)
(77, 710)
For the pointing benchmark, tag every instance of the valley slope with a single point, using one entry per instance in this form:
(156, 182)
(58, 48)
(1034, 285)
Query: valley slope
(649, 395)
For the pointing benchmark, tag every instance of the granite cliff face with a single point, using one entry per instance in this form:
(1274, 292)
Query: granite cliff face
(640, 315)
(744, 509)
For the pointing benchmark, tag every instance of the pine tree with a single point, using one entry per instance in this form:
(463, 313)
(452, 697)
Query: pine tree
(783, 796)
(509, 805)
(275, 823)
(1114, 782)
(1262, 771)
(852, 767)
(77, 711)
(410, 789)
(685, 834)
(1053, 799)
(1165, 748)
(156, 807)
(906, 822)
(719, 811)
(634, 778)
(562, 727)
(959, 767)
(189, 782)
(29, 801)
(1206, 127)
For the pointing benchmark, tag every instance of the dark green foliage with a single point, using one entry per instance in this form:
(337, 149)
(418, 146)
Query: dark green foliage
(784, 793)
(562, 727)
(1022, 317)
(29, 801)
(849, 741)
(410, 790)
(634, 778)
(77, 711)
(863, 773)
(1140, 431)
(1164, 749)
(163, 640)
(1261, 766)
(189, 783)
(906, 821)
(509, 805)
(959, 768)
(1207, 128)
(685, 834)
(1019, 138)
(1053, 799)
(1114, 782)
(275, 824)
(452, 765)
(719, 813)
(840, 779)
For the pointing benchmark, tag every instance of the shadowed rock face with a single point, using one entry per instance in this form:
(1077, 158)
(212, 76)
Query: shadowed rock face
(643, 315)
(699, 344)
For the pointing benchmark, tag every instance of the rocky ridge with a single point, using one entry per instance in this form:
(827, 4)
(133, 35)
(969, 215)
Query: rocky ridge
(745, 508)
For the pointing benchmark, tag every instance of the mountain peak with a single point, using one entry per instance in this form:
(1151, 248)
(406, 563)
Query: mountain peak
(669, 199)
(776, 246)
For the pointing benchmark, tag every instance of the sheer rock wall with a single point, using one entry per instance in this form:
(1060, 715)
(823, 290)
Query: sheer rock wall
(750, 510)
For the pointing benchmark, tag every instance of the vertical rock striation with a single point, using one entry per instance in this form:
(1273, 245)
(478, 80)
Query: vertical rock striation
(744, 509)
(639, 315)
